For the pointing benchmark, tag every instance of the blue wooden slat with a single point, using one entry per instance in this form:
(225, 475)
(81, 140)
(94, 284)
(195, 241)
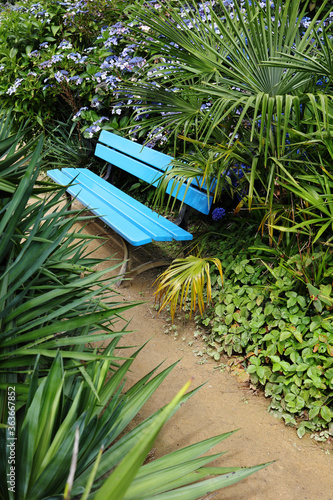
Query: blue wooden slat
(159, 228)
(130, 165)
(194, 198)
(142, 153)
(137, 209)
(130, 232)
(59, 177)
(133, 221)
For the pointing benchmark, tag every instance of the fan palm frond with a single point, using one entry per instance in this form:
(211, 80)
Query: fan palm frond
(185, 276)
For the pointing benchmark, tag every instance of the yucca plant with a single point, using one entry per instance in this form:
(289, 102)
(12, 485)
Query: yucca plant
(184, 276)
(70, 433)
(50, 295)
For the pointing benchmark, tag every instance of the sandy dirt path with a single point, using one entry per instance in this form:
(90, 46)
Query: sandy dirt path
(303, 467)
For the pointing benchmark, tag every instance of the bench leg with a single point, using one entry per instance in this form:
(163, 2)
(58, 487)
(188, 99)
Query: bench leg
(109, 173)
(69, 200)
(126, 270)
(127, 261)
(183, 217)
(149, 265)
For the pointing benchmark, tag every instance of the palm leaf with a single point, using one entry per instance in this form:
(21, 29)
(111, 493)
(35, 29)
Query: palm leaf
(233, 49)
(184, 276)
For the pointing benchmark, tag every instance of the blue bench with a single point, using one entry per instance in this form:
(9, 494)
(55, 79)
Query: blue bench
(133, 221)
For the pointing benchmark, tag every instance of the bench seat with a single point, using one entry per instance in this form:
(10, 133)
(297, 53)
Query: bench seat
(132, 220)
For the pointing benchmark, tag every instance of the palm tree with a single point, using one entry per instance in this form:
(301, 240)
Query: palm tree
(214, 77)
(184, 275)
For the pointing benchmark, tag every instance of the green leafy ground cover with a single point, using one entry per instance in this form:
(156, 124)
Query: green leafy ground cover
(266, 313)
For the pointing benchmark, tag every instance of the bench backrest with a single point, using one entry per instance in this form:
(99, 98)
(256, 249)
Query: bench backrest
(149, 165)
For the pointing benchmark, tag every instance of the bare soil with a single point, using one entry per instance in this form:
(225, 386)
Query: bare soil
(303, 467)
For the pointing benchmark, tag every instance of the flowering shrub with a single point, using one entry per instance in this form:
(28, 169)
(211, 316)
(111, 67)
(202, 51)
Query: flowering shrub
(49, 70)
(59, 58)
(62, 58)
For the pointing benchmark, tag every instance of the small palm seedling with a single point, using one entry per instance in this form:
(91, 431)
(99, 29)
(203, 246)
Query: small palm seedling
(184, 276)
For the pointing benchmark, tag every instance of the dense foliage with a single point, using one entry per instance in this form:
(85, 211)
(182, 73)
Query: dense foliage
(56, 60)
(241, 92)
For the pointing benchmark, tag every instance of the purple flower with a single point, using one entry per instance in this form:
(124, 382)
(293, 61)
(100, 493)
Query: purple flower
(218, 213)
(65, 45)
(76, 79)
(95, 103)
(34, 53)
(78, 114)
